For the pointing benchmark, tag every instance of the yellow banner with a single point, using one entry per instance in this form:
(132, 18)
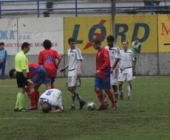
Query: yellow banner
(143, 26)
(85, 29)
(164, 33)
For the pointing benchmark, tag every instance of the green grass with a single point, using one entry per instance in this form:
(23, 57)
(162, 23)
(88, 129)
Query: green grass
(146, 117)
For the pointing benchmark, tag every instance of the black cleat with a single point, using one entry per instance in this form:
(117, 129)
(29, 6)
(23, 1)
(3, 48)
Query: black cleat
(22, 110)
(82, 103)
(102, 107)
(16, 109)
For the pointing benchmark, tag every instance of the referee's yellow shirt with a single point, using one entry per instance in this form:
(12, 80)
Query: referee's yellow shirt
(21, 62)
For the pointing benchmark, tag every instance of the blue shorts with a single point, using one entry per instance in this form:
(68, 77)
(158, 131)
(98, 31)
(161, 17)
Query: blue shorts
(102, 83)
(41, 76)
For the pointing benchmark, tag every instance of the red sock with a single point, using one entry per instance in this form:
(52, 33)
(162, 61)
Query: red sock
(111, 97)
(37, 98)
(52, 86)
(100, 97)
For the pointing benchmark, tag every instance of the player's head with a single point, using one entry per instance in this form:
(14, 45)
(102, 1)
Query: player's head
(71, 42)
(46, 107)
(12, 73)
(2, 45)
(136, 40)
(47, 44)
(96, 44)
(125, 44)
(110, 41)
(25, 47)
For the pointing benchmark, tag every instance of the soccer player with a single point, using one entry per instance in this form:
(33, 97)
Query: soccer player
(21, 67)
(136, 48)
(126, 69)
(102, 78)
(36, 77)
(114, 54)
(74, 67)
(51, 101)
(48, 58)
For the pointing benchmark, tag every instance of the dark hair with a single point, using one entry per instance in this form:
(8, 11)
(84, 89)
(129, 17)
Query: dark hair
(96, 41)
(11, 73)
(125, 41)
(46, 107)
(110, 38)
(2, 43)
(136, 38)
(25, 45)
(47, 44)
(71, 39)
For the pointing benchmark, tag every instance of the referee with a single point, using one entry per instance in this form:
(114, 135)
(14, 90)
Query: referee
(21, 67)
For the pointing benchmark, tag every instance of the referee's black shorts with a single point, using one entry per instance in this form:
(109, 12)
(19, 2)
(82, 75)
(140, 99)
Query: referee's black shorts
(21, 80)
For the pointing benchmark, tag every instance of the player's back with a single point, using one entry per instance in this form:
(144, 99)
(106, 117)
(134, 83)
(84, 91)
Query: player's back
(126, 59)
(47, 58)
(52, 96)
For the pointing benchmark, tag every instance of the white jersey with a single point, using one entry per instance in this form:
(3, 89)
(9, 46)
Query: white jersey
(74, 55)
(126, 61)
(114, 53)
(53, 97)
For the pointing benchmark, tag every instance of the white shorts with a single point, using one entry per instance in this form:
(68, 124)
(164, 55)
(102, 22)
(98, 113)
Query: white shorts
(73, 81)
(125, 77)
(114, 77)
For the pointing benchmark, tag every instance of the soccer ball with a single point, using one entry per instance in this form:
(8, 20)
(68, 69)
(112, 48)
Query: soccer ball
(91, 106)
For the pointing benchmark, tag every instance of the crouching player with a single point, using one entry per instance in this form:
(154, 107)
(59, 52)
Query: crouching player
(51, 101)
(36, 77)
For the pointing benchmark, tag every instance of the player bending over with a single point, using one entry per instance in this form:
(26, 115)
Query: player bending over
(126, 69)
(51, 101)
(36, 77)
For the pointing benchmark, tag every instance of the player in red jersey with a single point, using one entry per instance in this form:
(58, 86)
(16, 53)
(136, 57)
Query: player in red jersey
(48, 58)
(102, 78)
(37, 75)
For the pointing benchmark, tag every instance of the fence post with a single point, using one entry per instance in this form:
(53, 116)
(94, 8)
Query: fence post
(76, 12)
(152, 7)
(38, 8)
(0, 10)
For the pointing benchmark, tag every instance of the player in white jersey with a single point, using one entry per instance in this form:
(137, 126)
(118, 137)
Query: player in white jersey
(126, 69)
(74, 67)
(51, 98)
(114, 53)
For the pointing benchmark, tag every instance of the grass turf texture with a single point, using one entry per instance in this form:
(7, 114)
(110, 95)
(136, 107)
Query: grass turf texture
(146, 117)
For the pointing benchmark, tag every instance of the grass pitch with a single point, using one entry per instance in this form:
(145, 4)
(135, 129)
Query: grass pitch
(146, 117)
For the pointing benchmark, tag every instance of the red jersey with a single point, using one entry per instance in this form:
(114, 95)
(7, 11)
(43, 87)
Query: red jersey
(47, 58)
(33, 69)
(103, 63)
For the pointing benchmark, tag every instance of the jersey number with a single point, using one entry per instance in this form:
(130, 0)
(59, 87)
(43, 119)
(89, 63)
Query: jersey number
(49, 59)
(49, 92)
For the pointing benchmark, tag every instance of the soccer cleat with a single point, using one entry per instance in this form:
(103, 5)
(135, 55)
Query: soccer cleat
(102, 107)
(121, 96)
(22, 110)
(73, 107)
(16, 109)
(82, 103)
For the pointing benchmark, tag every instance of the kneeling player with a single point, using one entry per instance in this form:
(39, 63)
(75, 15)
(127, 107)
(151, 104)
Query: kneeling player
(126, 69)
(36, 77)
(51, 101)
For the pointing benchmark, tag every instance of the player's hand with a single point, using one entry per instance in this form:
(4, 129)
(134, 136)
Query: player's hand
(97, 72)
(78, 73)
(62, 70)
(30, 81)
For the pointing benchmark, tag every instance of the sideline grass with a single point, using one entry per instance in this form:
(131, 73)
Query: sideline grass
(146, 117)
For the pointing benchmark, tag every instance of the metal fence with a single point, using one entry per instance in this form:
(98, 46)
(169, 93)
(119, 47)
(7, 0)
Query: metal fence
(149, 6)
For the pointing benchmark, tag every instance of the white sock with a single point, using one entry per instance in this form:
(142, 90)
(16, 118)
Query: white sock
(129, 90)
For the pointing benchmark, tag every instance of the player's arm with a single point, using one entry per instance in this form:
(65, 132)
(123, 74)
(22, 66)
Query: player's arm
(79, 68)
(117, 59)
(58, 57)
(59, 110)
(40, 59)
(63, 69)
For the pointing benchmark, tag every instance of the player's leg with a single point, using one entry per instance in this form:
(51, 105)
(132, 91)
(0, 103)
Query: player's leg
(121, 79)
(21, 82)
(2, 76)
(99, 93)
(52, 82)
(129, 87)
(114, 82)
